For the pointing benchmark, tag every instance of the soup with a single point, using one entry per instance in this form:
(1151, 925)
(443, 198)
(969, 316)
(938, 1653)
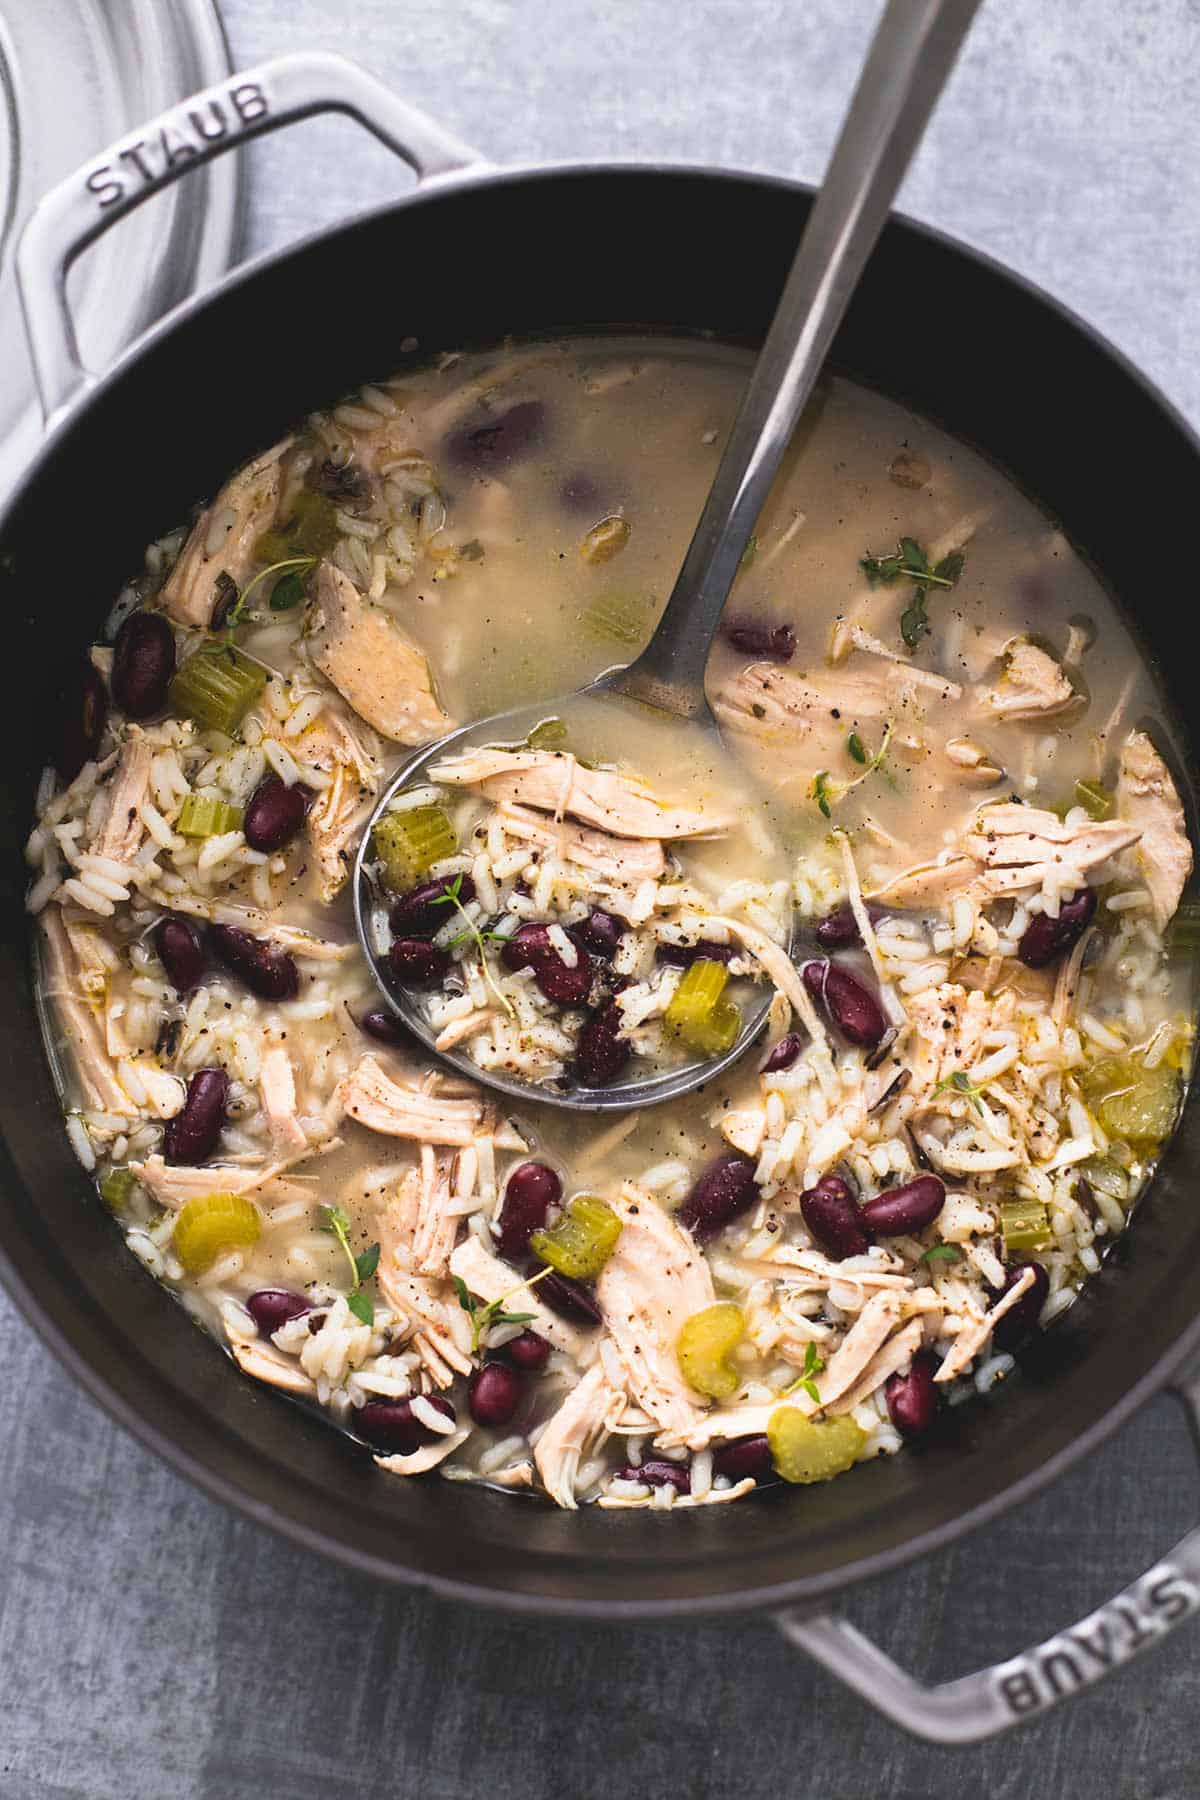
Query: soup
(947, 841)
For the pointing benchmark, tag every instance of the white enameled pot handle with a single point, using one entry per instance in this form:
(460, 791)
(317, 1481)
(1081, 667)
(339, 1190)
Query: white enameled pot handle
(220, 118)
(991, 1700)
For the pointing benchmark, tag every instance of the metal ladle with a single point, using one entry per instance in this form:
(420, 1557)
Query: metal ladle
(909, 60)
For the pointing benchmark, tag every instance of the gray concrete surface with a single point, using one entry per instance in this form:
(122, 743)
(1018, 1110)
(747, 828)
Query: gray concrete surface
(152, 1646)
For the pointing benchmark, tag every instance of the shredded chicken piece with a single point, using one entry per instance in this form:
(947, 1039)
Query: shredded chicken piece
(556, 782)
(617, 859)
(917, 677)
(1011, 849)
(654, 1280)
(277, 1089)
(896, 1354)
(335, 818)
(789, 726)
(419, 1462)
(222, 540)
(974, 1336)
(849, 1362)
(572, 1431)
(491, 1279)
(1032, 686)
(268, 1364)
(1147, 798)
(174, 1184)
(370, 1095)
(122, 831)
(165, 1093)
(779, 967)
(78, 1023)
(374, 667)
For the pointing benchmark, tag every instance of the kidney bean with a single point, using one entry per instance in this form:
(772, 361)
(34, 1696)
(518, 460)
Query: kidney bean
(723, 1191)
(784, 1053)
(758, 637)
(838, 930)
(832, 1215)
(425, 909)
(600, 1052)
(386, 1027)
(529, 947)
(682, 956)
(907, 1208)
(505, 437)
(262, 966)
(527, 1351)
(658, 1472)
(912, 1399)
(272, 1307)
(1022, 1319)
(79, 712)
(193, 1134)
(179, 946)
(599, 934)
(274, 813)
(529, 1193)
(415, 963)
(494, 1394)
(143, 664)
(1045, 940)
(392, 1426)
(526, 947)
(744, 1456)
(569, 1299)
(850, 1004)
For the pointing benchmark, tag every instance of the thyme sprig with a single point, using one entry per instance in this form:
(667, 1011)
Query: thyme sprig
(452, 896)
(911, 562)
(827, 791)
(337, 1223)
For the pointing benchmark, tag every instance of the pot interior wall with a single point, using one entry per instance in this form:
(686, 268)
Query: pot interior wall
(952, 336)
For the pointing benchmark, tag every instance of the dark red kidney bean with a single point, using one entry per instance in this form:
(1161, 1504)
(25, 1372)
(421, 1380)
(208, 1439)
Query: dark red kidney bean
(529, 947)
(415, 963)
(569, 1299)
(143, 664)
(193, 1134)
(392, 1426)
(262, 966)
(744, 1456)
(1045, 939)
(600, 1051)
(526, 947)
(599, 934)
(784, 1053)
(79, 714)
(658, 1472)
(838, 930)
(494, 1394)
(179, 946)
(529, 1193)
(832, 1215)
(723, 1191)
(485, 448)
(682, 956)
(527, 1351)
(849, 1003)
(274, 813)
(907, 1208)
(272, 1307)
(912, 1399)
(425, 909)
(758, 637)
(386, 1027)
(1022, 1319)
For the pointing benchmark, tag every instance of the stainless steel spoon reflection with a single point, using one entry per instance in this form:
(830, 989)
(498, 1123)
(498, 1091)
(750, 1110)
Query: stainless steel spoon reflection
(910, 58)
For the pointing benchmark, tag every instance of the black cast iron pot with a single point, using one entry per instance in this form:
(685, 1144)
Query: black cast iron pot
(473, 255)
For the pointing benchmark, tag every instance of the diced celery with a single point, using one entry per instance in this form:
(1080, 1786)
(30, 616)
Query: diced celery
(211, 1224)
(582, 1241)
(551, 734)
(1095, 799)
(1143, 1113)
(216, 687)
(605, 540)
(203, 816)
(704, 1346)
(698, 1011)
(1025, 1225)
(618, 616)
(805, 1450)
(407, 844)
(116, 1185)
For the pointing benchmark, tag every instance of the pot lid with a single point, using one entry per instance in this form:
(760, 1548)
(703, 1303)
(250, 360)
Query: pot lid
(74, 75)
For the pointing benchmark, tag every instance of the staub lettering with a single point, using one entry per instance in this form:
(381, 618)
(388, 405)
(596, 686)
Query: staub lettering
(182, 136)
(1108, 1638)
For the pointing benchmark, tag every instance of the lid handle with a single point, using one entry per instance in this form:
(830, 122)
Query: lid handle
(220, 118)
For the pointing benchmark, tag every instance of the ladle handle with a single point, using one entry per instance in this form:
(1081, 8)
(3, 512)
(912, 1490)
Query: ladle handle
(909, 60)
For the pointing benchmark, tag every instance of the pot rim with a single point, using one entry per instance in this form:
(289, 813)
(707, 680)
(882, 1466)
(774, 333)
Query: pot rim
(808, 1592)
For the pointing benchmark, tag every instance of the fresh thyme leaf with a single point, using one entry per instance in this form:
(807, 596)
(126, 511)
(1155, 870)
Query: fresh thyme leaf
(450, 893)
(466, 1298)
(821, 793)
(337, 1223)
(948, 1253)
(749, 553)
(360, 1305)
(950, 568)
(856, 748)
(914, 620)
(961, 1082)
(813, 1366)
(334, 1219)
(827, 792)
(299, 565)
(483, 1317)
(913, 560)
(367, 1263)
